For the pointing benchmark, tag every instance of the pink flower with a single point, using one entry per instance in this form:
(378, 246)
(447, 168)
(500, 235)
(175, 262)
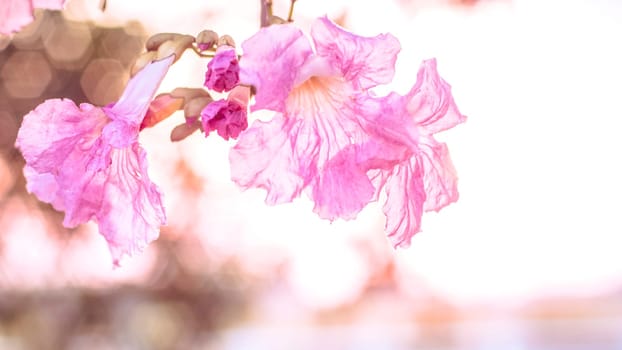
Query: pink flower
(227, 117)
(87, 162)
(15, 14)
(332, 137)
(222, 70)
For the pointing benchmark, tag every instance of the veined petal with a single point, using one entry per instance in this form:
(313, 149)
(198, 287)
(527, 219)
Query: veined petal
(365, 61)
(271, 61)
(277, 155)
(426, 181)
(343, 188)
(439, 175)
(44, 186)
(404, 204)
(132, 212)
(56, 129)
(431, 103)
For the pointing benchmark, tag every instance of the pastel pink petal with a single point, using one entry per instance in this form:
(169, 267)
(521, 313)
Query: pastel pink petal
(343, 188)
(223, 70)
(131, 212)
(365, 61)
(430, 101)
(139, 92)
(57, 128)
(277, 156)
(44, 186)
(439, 175)
(387, 119)
(270, 63)
(404, 202)
(15, 14)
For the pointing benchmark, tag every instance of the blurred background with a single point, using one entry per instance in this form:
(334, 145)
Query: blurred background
(528, 258)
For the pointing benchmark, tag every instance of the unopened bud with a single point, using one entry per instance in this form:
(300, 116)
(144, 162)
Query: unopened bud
(226, 40)
(206, 40)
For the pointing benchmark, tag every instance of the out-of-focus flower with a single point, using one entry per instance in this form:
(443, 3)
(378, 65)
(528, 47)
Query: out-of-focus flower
(87, 162)
(332, 137)
(228, 117)
(223, 70)
(15, 14)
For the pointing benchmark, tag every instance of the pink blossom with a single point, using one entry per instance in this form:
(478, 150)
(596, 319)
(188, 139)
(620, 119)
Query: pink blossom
(335, 139)
(227, 117)
(87, 162)
(15, 14)
(222, 70)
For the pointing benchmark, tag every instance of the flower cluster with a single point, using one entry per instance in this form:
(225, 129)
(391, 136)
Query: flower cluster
(333, 138)
(330, 136)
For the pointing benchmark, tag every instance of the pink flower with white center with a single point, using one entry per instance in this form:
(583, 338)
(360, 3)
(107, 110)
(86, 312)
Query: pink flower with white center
(228, 117)
(332, 137)
(223, 70)
(15, 14)
(87, 162)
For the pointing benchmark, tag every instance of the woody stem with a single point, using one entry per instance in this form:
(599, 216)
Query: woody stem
(291, 11)
(266, 12)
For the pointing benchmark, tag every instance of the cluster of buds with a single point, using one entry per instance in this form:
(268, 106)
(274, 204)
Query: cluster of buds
(228, 116)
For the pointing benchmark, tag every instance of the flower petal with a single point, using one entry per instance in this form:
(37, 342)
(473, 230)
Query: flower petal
(270, 63)
(139, 92)
(431, 103)
(44, 186)
(343, 188)
(132, 212)
(15, 14)
(55, 129)
(366, 61)
(439, 175)
(277, 156)
(404, 203)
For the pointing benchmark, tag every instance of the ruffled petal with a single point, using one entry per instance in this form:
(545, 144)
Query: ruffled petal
(439, 175)
(132, 212)
(44, 186)
(431, 103)
(223, 70)
(271, 61)
(56, 129)
(365, 61)
(404, 204)
(277, 155)
(343, 188)
(427, 181)
(15, 14)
